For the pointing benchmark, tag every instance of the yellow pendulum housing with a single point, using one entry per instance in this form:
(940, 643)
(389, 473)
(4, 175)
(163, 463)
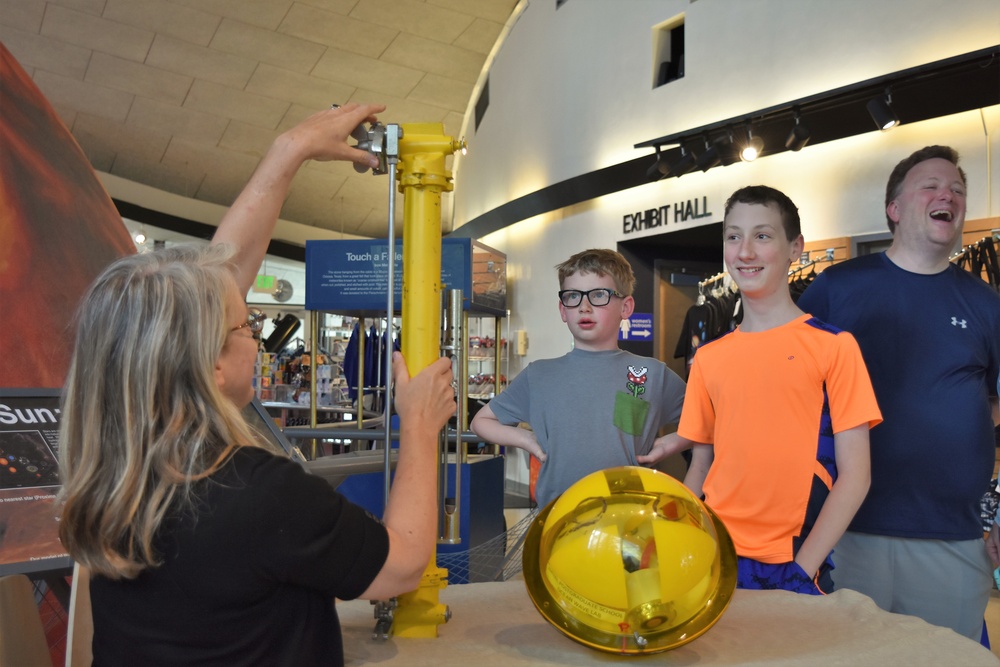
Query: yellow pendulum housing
(422, 177)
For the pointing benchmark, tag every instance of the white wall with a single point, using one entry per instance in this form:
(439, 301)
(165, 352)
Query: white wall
(839, 192)
(570, 92)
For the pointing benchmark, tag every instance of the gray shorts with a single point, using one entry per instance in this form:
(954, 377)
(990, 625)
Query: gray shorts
(946, 583)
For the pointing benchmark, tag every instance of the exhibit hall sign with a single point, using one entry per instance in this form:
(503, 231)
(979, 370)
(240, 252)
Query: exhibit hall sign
(677, 212)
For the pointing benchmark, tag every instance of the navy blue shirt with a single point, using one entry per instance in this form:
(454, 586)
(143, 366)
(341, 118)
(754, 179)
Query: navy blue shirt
(932, 347)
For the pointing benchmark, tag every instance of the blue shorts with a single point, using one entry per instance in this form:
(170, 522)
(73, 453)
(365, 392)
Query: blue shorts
(754, 575)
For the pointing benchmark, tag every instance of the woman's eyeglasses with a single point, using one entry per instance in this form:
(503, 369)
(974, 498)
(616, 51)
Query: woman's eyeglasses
(255, 320)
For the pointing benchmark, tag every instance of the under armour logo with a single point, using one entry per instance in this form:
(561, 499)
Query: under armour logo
(955, 322)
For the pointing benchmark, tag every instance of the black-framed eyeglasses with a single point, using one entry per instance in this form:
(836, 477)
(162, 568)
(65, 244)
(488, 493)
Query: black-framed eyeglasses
(255, 320)
(601, 296)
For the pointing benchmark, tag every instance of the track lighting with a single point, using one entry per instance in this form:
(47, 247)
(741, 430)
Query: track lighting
(660, 169)
(685, 164)
(727, 149)
(709, 158)
(880, 109)
(753, 148)
(799, 135)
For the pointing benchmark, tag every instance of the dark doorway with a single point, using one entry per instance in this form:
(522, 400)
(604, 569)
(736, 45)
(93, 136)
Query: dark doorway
(667, 269)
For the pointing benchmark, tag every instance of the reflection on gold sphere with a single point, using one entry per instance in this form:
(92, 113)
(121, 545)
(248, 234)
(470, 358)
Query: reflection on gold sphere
(629, 561)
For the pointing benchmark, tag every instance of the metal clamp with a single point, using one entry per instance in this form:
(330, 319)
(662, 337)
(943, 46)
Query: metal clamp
(384, 610)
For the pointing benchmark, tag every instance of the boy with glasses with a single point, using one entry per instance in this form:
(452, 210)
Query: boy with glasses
(596, 407)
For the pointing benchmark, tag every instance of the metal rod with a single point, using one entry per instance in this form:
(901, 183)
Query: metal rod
(498, 352)
(455, 341)
(389, 312)
(313, 395)
(333, 432)
(361, 371)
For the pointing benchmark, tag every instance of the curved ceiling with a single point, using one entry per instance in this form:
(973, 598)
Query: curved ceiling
(186, 95)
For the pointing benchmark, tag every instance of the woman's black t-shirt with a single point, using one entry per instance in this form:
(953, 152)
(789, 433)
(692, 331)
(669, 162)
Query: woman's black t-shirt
(248, 577)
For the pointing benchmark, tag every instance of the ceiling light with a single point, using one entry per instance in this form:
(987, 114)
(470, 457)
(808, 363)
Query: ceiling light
(753, 148)
(139, 238)
(799, 136)
(709, 158)
(880, 109)
(660, 169)
(685, 164)
(727, 150)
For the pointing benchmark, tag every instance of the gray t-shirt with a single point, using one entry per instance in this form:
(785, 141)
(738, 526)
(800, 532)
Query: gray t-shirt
(590, 411)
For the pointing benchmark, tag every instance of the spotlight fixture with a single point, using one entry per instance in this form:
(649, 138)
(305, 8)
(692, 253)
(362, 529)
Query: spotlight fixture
(727, 149)
(753, 148)
(685, 164)
(709, 158)
(139, 237)
(659, 169)
(799, 136)
(880, 109)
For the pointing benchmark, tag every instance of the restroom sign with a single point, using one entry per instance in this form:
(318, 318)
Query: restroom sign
(639, 326)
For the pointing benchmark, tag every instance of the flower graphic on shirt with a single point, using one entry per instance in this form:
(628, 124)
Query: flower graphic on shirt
(636, 380)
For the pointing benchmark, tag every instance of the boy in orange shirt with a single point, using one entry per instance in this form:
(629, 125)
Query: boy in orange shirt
(778, 412)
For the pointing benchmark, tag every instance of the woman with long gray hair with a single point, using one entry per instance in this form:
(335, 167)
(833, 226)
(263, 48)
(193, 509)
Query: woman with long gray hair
(203, 546)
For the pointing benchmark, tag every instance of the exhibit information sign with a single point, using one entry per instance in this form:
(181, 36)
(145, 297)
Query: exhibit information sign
(29, 481)
(351, 276)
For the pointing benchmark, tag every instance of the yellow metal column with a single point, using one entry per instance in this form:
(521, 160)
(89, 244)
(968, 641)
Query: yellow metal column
(422, 177)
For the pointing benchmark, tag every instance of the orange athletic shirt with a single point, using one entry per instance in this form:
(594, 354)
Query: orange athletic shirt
(761, 399)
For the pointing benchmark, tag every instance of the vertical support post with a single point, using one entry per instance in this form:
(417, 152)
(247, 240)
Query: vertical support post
(454, 340)
(498, 353)
(422, 177)
(361, 372)
(313, 394)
